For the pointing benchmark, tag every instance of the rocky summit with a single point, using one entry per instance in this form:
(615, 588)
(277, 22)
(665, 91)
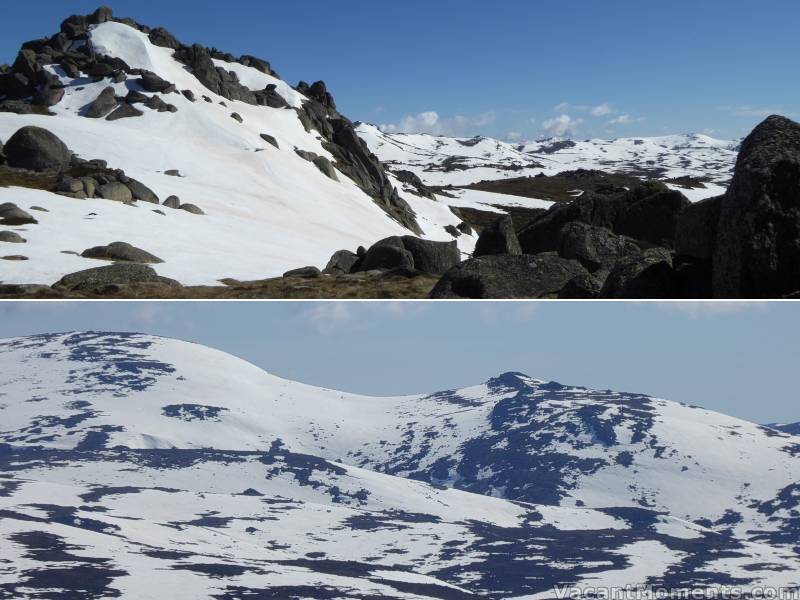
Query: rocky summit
(124, 473)
(222, 171)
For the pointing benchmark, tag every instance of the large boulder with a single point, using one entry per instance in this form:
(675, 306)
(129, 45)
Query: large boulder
(120, 274)
(11, 237)
(389, 253)
(121, 252)
(653, 219)
(430, 257)
(594, 247)
(648, 275)
(124, 111)
(508, 276)
(102, 105)
(498, 238)
(36, 149)
(757, 252)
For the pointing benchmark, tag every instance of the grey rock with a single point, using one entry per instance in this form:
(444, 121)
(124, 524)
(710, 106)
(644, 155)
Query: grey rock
(498, 238)
(13, 215)
(648, 275)
(191, 208)
(757, 252)
(36, 149)
(140, 191)
(594, 247)
(69, 185)
(389, 253)
(585, 286)
(119, 192)
(696, 234)
(95, 280)
(122, 252)
(172, 202)
(124, 111)
(237, 117)
(653, 219)
(508, 276)
(189, 95)
(102, 105)
(305, 273)
(341, 263)
(434, 258)
(11, 237)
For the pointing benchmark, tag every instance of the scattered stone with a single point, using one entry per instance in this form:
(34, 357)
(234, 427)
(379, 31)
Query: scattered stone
(508, 276)
(121, 251)
(36, 149)
(17, 257)
(191, 208)
(154, 84)
(172, 202)
(160, 212)
(13, 215)
(39, 208)
(173, 173)
(304, 272)
(11, 237)
(585, 286)
(136, 97)
(270, 140)
(498, 238)
(453, 230)
(237, 117)
(324, 165)
(93, 280)
(102, 105)
(69, 185)
(189, 95)
(118, 192)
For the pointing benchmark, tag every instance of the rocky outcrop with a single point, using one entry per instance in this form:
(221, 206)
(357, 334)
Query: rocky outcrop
(102, 105)
(508, 276)
(645, 275)
(757, 250)
(594, 247)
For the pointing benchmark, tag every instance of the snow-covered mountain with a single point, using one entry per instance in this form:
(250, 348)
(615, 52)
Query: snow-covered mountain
(143, 466)
(224, 134)
(442, 161)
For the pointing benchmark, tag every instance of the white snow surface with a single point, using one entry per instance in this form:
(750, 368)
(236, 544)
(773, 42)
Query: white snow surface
(267, 209)
(193, 471)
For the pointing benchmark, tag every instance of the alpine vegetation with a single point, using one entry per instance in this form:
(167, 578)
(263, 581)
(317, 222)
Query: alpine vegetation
(136, 466)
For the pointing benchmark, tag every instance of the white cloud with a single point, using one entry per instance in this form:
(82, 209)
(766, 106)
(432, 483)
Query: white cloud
(328, 317)
(712, 308)
(625, 120)
(561, 126)
(514, 136)
(431, 122)
(562, 107)
(601, 110)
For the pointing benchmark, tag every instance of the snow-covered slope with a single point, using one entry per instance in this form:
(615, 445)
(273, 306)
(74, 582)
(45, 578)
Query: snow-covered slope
(156, 466)
(267, 209)
(441, 160)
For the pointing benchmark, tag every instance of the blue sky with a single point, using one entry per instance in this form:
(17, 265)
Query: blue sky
(511, 69)
(737, 358)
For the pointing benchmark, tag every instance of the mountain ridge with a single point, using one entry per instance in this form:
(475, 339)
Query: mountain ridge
(475, 488)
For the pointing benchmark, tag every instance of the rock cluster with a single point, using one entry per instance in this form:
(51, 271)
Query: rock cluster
(650, 242)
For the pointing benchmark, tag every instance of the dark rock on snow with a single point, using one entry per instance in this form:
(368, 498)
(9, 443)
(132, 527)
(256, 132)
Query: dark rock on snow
(192, 208)
(124, 111)
(115, 191)
(172, 202)
(36, 149)
(102, 105)
(11, 237)
(13, 215)
(270, 140)
(122, 252)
